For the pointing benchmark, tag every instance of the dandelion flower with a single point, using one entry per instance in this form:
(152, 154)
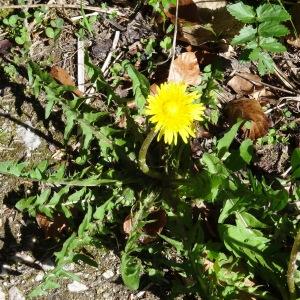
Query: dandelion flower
(173, 111)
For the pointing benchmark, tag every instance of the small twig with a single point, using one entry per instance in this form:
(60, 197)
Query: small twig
(175, 32)
(66, 6)
(285, 173)
(274, 108)
(109, 56)
(296, 99)
(81, 17)
(266, 84)
(114, 61)
(281, 76)
(80, 65)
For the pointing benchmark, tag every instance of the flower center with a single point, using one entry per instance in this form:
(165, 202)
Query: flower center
(171, 109)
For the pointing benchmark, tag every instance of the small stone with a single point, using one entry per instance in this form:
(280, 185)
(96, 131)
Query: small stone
(39, 276)
(77, 287)
(2, 294)
(108, 274)
(23, 257)
(140, 294)
(47, 265)
(15, 294)
(69, 267)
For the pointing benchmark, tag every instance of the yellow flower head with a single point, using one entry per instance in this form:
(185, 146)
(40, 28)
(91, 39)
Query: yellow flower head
(173, 110)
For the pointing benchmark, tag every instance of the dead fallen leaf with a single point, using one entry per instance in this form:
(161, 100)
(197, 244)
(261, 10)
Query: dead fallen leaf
(291, 39)
(202, 21)
(185, 68)
(52, 228)
(63, 77)
(249, 110)
(294, 41)
(150, 230)
(153, 89)
(262, 95)
(122, 121)
(127, 224)
(245, 84)
(4, 46)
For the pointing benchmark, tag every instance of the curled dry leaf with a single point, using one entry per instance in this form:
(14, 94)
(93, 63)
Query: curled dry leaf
(249, 110)
(185, 68)
(63, 77)
(245, 83)
(150, 230)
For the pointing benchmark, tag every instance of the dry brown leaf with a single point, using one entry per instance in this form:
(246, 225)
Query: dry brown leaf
(150, 230)
(153, 89)
(63, 77)
(201, 21)
(185, 68)
(243, 85)
(52, 228)
(249, 110)
(262, 95)
(294, 41)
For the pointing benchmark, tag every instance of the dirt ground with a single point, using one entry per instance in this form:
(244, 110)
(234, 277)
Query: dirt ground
(25, 254)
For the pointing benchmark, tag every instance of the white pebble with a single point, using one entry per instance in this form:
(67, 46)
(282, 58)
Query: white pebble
(77, 287)
(108, 274)
(140, 294)
(47, 265)
(39, 276)
(15, 294)
(69, 267)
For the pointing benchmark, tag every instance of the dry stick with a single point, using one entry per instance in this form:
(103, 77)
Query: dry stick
(80, 65)
(175, 32)
(285, 173)
(67, 6)
(266, 84)
(113, 62)
(296, 99)
(281, 76)
(109, 56)
(86, 15)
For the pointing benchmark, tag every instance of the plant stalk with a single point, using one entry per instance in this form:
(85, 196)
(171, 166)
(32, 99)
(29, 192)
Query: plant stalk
(143, 154)
(292, 266)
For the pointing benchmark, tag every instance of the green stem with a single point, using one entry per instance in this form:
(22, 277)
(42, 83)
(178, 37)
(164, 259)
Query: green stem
(142, 156)
(292, 266)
